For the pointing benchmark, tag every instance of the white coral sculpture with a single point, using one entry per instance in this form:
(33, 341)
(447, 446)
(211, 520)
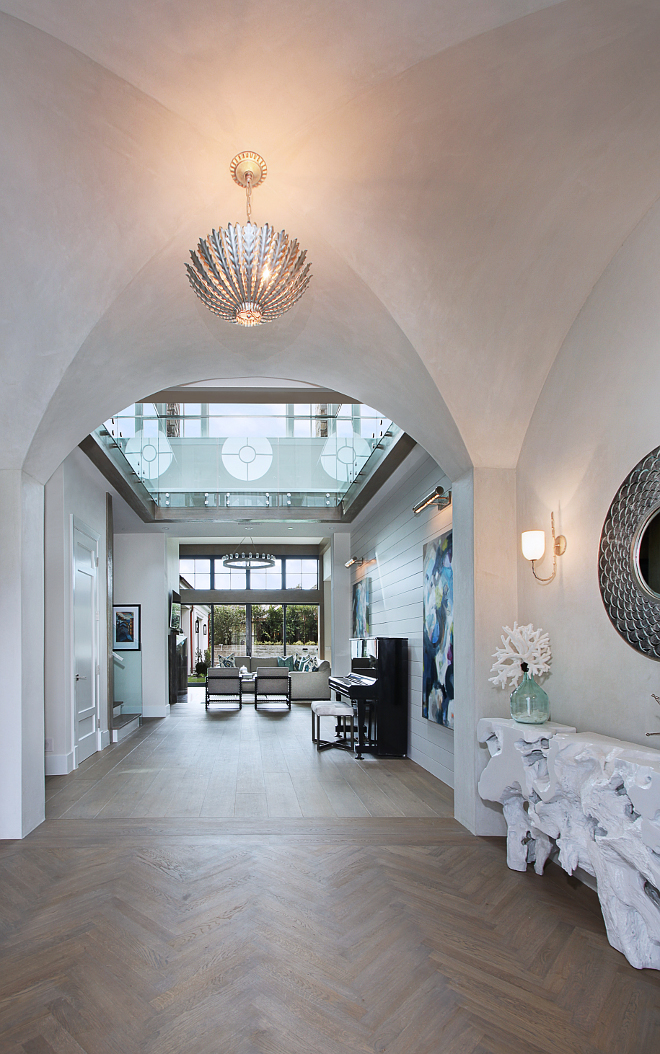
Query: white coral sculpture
(521, 644)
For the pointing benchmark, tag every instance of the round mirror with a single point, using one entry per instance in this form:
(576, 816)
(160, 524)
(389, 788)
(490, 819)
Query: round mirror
(648, 553)
(629, 557)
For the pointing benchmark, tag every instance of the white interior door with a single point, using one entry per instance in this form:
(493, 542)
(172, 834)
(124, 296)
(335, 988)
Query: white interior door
(84, 649)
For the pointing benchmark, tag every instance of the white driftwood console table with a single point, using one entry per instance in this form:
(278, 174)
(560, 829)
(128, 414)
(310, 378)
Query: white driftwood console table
(598, 801)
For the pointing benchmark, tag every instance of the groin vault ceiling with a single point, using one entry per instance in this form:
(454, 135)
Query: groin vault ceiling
(460, 172)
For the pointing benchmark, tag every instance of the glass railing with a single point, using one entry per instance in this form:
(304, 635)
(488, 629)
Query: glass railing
(259, 457)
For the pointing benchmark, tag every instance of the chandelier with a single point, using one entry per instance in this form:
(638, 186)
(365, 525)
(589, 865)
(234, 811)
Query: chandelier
(249, 561)
(248, 274)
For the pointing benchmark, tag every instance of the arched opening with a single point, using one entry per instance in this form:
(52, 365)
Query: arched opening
(182, 497)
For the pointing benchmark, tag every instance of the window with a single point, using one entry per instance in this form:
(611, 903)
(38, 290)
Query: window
(291, 572)
(228, 577)
(302, 628)
(302, 574)
(269, 578)
(229, 630)
(267, 629)
(196, 573)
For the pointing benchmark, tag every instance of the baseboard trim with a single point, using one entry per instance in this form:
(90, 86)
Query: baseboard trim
(59, 764)
(156, 711)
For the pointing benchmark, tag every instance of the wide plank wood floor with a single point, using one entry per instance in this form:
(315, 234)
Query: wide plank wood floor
(243, 764)
(393, 934)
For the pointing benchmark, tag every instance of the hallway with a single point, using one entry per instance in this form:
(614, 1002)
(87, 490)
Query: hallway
(243, 764)
(395, 935)
(214, 885)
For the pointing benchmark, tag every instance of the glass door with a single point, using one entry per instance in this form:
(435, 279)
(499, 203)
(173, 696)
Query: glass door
(230, 631)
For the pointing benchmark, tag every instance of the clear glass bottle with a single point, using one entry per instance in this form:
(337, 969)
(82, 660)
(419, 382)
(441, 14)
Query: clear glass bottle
(529, 703)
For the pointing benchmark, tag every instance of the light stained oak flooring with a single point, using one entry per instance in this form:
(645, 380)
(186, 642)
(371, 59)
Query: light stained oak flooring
(393, 935)
(136, 920)
(244, 764)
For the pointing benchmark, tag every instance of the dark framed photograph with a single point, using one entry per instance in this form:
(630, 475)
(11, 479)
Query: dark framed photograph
(126, 627)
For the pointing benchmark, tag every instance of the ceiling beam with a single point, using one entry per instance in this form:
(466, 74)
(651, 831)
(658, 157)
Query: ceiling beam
(249, 395)
(249, 514)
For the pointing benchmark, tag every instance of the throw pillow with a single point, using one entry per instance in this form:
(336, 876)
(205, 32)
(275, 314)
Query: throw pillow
(303, 663)
(227, 660)
(288, 661)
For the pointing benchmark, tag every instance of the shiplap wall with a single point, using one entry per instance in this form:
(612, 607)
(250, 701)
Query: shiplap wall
(391, 539)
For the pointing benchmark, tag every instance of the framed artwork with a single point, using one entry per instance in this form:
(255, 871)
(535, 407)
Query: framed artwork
(438, 638)
(362, 608)
(126, 627)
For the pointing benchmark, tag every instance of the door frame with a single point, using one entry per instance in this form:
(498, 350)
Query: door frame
(94, 538)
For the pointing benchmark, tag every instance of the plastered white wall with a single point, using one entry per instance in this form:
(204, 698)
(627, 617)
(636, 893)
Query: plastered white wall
(142, 569)
(21, 673)
(76, 489)
(391, 539)
(596, 418)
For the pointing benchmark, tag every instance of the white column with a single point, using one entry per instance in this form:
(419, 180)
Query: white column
(341, 605)
(22, 797)
(485, 599)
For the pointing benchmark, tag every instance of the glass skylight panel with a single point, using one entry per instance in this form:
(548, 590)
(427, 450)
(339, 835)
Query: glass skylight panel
(344, 428)
(192, 428)
(247, 419)
(302, 428)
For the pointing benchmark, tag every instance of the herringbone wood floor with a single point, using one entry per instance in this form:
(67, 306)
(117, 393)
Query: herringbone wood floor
(399, 934)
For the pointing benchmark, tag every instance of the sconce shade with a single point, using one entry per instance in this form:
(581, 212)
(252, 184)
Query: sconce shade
(533, 544)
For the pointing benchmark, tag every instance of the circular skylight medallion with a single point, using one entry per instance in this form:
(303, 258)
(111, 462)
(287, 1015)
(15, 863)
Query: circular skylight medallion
(247, 459)
(149, 456)
(343, 456)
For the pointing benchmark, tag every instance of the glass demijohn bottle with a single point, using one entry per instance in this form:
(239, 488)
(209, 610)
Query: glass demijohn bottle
(529, 703)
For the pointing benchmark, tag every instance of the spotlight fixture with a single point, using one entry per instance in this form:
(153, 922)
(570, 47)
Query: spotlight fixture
(533, 548)
(354, 560)
(249, 561)
(247, 274)
(438, 497)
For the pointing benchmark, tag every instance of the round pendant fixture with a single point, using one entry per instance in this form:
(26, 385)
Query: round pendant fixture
(248, 274)
(249, 561)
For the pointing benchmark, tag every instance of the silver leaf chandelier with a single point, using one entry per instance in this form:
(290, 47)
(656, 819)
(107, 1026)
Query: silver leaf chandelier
(248, 274)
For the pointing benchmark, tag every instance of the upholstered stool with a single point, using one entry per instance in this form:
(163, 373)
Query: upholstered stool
(343, 715)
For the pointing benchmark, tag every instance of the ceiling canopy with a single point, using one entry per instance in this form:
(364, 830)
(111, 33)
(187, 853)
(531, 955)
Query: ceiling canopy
(460, 172)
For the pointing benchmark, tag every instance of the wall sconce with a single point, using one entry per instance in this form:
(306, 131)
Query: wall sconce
(533, 548)
(354, 560)
(437, 497)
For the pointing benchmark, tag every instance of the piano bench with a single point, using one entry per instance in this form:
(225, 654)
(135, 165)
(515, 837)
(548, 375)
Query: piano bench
(342, 713)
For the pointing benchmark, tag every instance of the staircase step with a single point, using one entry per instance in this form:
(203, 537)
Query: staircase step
(124, 726)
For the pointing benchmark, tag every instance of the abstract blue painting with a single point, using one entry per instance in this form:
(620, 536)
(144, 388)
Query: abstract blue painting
(438, 670)
(362, 608)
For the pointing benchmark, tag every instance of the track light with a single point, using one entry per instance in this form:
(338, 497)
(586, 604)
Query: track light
(354, 560)
(438, 497)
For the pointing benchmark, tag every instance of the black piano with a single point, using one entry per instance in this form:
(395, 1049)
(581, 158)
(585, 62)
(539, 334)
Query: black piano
(378, 689)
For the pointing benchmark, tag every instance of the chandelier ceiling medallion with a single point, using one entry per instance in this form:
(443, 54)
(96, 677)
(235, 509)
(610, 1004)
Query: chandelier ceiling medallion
(249, 561)
(248, 274)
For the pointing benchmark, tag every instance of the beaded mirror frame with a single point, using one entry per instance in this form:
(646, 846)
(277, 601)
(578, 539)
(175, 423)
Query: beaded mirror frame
(633, 608)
